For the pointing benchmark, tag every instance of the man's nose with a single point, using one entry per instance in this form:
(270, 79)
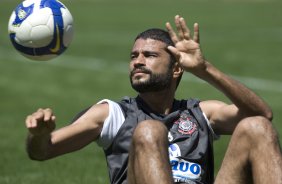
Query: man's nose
(140, 60)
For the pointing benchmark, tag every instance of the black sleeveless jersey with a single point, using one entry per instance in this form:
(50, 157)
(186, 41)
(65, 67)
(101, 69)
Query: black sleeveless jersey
(190, 141)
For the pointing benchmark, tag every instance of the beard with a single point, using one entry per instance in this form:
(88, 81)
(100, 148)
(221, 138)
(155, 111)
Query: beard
(156, 82)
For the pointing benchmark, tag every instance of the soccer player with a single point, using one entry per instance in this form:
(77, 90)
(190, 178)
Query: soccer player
(157, 139)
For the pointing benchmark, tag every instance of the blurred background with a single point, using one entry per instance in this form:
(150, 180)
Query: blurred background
(242, 38)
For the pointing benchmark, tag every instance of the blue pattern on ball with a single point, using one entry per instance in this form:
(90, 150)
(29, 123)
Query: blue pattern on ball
(56, 46)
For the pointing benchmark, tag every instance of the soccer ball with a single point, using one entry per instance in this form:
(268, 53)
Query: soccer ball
(41, 29)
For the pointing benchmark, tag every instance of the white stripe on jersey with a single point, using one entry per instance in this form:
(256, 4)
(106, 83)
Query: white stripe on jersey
(111, 125)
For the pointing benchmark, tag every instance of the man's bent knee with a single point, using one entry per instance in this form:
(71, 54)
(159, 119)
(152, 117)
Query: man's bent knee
(253, 147)
(150, 132)
(149, 145)
(256, 128)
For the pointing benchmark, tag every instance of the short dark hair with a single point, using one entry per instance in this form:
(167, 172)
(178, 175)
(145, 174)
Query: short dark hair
(160, 35)
(156, 34)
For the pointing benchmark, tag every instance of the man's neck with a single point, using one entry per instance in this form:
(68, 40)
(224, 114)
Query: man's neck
(160, 102)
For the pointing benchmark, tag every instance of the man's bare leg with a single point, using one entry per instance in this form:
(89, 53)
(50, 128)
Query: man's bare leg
(148, 156)
(253, 155)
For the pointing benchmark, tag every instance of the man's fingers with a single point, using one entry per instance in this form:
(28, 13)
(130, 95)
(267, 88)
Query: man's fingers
(178, 25)
(34, 122)
(172, 34)
(29, 121)
(196, 36)
(184, 28)
(53, 118)
(41, 115)
(47, 114)
(174, 51)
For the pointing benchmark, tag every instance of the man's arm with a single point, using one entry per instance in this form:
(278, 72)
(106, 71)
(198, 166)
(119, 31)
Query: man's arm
(223, 117)
(44, 142)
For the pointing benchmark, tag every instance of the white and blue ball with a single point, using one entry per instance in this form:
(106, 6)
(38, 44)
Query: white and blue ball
(41, 29)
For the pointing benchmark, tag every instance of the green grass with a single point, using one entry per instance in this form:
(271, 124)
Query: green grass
(241, 38)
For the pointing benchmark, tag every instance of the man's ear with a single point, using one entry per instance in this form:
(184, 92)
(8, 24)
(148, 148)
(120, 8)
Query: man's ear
(177, 70)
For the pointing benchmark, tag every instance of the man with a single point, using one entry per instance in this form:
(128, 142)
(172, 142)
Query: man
(155, 138)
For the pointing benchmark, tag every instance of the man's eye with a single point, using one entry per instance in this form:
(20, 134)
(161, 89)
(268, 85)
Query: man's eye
(133, 56)
(151, 55)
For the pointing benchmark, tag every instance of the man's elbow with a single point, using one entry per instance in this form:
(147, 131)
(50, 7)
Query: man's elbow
(37, 157)
(268, 115)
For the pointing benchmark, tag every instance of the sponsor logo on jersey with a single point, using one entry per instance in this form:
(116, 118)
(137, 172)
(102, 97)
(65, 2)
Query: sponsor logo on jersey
(170, 138)
(174, 151)
(186, 124)
(182, 170)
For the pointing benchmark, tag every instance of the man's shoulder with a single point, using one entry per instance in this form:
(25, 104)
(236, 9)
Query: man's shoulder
(188, 103)
(127, 99)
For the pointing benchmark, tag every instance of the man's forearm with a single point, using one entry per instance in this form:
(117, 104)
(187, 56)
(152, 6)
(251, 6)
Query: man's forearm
(246, 100)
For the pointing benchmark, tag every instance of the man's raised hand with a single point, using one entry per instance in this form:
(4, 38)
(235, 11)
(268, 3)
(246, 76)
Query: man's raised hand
(40, 122)
(187, 49)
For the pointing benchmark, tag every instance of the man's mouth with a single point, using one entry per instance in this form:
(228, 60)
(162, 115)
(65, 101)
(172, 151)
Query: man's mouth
(140, 70)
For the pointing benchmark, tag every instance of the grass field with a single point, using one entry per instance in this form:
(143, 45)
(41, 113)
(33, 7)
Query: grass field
(242, 38)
